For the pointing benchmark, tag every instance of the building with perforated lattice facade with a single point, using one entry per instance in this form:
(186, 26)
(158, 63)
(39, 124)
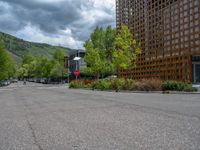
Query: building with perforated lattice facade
(169, 33)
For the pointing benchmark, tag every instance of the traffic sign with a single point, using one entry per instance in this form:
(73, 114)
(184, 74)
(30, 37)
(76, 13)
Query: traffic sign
(76, 73)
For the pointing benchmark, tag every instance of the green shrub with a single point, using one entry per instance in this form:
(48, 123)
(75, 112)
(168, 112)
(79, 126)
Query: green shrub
(149, 85)
(75, 85)
(87, 82)
(80, 84)
(102, 85)
(129, 85)
(177, 86)
(189, 88)
(118, 84)
(170, 85)
(114, 84)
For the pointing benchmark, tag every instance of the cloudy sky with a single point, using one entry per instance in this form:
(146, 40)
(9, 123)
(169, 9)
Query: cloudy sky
(57, 22)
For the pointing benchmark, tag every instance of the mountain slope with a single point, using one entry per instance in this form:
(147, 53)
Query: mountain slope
(18, 47)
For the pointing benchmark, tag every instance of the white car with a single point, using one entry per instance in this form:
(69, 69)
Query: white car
(197, 86)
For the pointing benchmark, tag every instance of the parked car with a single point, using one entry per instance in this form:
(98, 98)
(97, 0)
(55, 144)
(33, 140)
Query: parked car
(14, 81)
(111, 77)
(31, 80)
(1, 83)
(196, 86)
(5, 83)
(44, 80)
(37, 80)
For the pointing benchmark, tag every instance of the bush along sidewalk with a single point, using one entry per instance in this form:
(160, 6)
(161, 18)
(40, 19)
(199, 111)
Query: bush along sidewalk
(121, 84)
(178, 86)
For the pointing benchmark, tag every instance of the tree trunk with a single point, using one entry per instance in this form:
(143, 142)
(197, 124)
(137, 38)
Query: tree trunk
(98, 76)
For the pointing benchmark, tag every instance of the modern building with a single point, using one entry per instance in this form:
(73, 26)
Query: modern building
(169, 33)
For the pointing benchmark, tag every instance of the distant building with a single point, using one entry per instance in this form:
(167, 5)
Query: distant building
(169, 33)
(72, 65)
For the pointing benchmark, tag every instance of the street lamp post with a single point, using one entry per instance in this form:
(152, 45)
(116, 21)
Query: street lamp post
(77, 60)
(68, 70)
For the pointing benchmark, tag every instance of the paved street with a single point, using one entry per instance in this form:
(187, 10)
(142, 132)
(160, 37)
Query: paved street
(44, 117)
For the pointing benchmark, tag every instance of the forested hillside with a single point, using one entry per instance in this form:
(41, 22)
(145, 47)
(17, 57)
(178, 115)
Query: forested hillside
(18, 47)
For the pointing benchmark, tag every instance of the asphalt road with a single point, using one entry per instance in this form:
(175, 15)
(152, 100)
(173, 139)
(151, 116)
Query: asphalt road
(38, 117)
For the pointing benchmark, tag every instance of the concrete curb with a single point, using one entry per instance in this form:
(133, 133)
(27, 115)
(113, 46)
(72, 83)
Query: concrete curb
(177, 92)
(142, 92)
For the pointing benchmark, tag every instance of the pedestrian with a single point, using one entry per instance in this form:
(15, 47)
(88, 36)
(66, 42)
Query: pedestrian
(24, 82)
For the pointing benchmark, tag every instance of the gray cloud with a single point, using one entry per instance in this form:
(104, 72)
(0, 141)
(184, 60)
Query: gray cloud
(55, 19)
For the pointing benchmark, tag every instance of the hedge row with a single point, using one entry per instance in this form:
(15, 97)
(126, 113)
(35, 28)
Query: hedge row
(118, 84)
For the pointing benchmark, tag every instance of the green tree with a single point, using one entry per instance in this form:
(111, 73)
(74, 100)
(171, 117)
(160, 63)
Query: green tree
(32, 65)
(127, 49)
(93, 60)
(97, 39)
(41, 67)
(58, 71)
(48, 66)
(59, 66)
(22, 72)
(28, 66)
(59, 56)
(6, 64)
(27, 59)
(110, 42)
(99, 50)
